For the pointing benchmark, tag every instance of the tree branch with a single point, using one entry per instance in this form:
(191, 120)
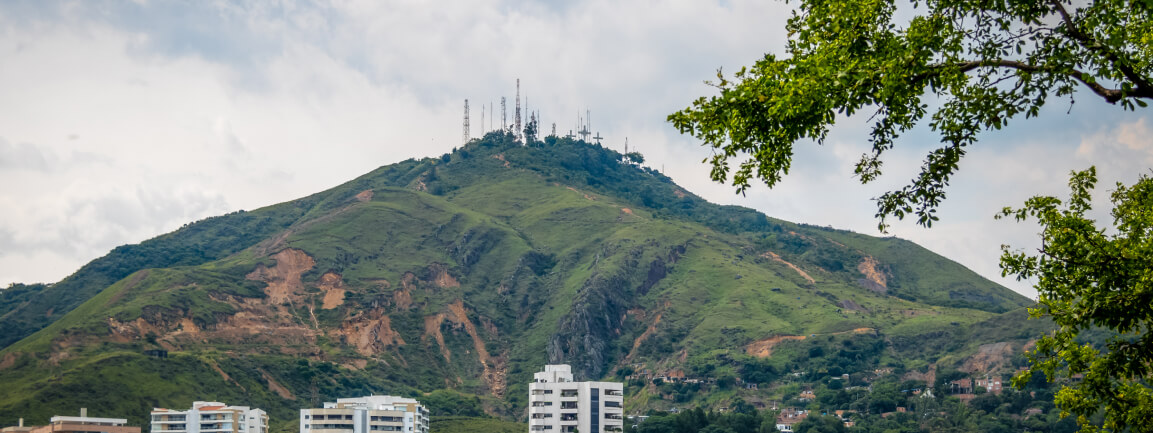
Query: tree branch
(1110, 95)
(1143, 88)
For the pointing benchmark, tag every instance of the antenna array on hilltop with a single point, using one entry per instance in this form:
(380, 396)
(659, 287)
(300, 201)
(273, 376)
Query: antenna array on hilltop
(516, 131)
(466, 135)
(520, 115)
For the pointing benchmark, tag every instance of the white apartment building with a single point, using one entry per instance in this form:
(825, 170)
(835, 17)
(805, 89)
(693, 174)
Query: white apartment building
(210, 417)
(375, 413)
(557, 404)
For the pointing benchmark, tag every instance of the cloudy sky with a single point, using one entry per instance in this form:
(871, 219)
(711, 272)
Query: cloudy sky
(123, 120)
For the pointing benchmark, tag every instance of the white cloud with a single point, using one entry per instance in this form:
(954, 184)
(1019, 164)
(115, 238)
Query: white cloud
(122, 121)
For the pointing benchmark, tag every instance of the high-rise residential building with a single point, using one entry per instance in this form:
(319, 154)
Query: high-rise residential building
(210, 417)
(375, 413)
(558, 404)
(76, 424)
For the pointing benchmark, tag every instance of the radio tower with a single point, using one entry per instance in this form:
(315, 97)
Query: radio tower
(466, 137)
(503, 116)
(516, 132)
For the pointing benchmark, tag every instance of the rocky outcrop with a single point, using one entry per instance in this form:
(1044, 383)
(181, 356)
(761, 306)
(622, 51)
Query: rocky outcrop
(587, 337)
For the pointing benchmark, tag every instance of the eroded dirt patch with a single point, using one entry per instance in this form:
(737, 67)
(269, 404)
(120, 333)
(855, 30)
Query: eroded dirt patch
(500, 156)
(988, 357)
(403, 297)
(441, 277)
(495, 381)
(432, 329)
(364, 196)
(875, 280)
(284, 278)
(764, 348)
(332, 285)
(9, 360)
(370, 333)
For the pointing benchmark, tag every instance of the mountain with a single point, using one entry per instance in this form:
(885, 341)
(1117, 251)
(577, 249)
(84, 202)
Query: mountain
(455, 278)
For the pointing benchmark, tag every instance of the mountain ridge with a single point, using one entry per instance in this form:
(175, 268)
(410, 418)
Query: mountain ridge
(469, 271)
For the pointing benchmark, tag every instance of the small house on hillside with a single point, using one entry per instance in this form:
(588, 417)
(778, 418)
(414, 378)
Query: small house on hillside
(789, 417)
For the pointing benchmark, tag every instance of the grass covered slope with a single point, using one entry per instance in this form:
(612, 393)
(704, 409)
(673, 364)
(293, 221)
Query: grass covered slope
(464, 274)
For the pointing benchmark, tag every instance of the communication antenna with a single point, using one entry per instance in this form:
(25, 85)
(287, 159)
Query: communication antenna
(598, 137)
(466, 137)
(482, 120)
(516, 119)
(554, 129)
(503, 116)
(492, 113)
(584, 131)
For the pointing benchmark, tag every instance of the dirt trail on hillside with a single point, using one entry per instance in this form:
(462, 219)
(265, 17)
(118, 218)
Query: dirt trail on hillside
(764, 348)
(777, 258)
(648, 331)
(276, 387)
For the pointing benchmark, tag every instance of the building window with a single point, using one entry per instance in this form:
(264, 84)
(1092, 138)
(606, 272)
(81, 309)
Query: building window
(568, 405)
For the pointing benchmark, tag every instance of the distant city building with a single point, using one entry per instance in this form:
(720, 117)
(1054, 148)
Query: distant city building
(76, 424)
(210, 417)
(558, 404)
(376, 413)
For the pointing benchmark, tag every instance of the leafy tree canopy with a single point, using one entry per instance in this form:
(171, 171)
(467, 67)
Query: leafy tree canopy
(1088, 276)
(987, 62)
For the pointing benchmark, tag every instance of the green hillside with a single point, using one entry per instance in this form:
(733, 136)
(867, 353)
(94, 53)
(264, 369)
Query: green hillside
(454, 278)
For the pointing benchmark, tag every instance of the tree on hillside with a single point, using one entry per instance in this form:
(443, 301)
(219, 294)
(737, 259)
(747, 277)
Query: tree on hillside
(988, 62)
(1092, 277)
